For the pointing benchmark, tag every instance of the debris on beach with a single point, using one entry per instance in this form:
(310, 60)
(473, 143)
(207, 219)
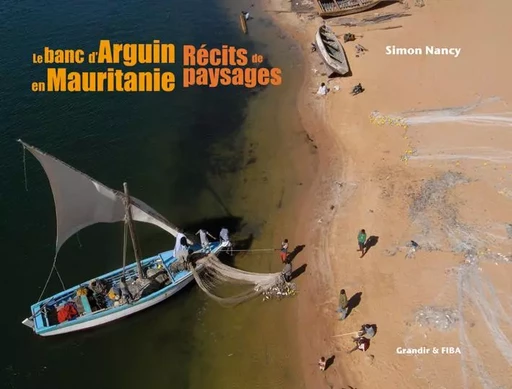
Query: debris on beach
(360, 50)
(443, 319)
(348, 37)
(357, 89)
(419, 3)
(377, 118)
(411, 151)
(411, 249)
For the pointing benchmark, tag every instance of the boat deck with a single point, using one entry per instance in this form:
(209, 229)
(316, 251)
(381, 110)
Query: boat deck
(344, 7)
(45, 312)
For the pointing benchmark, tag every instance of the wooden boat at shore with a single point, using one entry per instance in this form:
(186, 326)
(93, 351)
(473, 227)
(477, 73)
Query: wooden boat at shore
(243, 23)
(81, 201)
(333, 8)
(331, 51)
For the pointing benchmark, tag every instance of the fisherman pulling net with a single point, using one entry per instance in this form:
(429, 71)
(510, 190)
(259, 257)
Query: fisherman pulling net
(210, 274)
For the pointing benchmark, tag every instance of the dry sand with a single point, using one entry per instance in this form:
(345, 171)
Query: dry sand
(444, 181)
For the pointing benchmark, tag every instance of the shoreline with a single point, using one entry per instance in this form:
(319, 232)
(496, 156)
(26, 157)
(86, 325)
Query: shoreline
(367, 179)
(314, 290)
(263, 194)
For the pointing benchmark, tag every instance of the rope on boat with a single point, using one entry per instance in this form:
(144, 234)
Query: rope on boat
(125, 245)
(25, 168)
(256, 250)
(49, 276)
(54, 267)
(60, 278)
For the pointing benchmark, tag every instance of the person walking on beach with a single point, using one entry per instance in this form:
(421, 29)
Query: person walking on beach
(361, 240)
(284, 250)
(343, 305)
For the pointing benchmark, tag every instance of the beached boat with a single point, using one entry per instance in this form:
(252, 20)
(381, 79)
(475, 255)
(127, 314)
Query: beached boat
(332, 8)
(243, 23)
(80, 201)
(331, 51)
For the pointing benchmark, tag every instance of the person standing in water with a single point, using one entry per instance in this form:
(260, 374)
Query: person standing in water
(284, 250)
(287, 271)
(361, 240)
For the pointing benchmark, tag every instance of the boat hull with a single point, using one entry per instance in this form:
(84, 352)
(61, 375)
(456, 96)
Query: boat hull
(127, 310)
(344, 11)
(336, 66)
(101, 317)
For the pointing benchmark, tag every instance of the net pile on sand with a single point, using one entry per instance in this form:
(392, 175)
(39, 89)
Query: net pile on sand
(445, 115)
(216, 274)
(440, 318)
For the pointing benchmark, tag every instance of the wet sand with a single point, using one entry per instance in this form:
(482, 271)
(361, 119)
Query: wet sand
(444, 182)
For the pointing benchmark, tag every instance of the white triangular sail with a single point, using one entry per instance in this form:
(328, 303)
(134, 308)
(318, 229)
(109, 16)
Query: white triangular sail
(81, 201)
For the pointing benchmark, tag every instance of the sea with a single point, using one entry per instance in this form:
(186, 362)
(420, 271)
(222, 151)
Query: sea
(203, 157)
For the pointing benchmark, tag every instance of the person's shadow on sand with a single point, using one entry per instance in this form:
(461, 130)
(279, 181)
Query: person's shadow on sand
(295, 252)
(297, 272)
(329, 361)
(353, 302)
(370, 242)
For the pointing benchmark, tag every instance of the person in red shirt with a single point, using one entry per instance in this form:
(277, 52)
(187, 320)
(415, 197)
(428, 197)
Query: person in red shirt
(361, 344)
(284, 250)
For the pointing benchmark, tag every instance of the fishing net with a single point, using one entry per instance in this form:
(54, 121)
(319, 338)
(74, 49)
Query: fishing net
(445, 115)
(215, 275)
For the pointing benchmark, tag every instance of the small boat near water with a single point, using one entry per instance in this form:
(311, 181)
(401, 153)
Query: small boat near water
(243, 22)
(331, 51)
(333, 8)
(80, 201)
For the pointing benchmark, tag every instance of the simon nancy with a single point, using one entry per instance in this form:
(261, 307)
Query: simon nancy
(428, 50)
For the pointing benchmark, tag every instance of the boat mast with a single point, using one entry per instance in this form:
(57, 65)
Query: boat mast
(131, 228)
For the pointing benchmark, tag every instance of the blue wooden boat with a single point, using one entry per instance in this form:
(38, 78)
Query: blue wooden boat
(81, 201)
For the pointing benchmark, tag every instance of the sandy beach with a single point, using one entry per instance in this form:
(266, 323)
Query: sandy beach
(423, 154)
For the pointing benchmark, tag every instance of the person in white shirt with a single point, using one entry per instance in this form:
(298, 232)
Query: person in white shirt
(246, 15)
(205, 243)
(224, 237)
(322, 91)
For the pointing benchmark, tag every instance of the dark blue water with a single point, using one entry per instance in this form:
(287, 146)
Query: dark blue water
(163, 144)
